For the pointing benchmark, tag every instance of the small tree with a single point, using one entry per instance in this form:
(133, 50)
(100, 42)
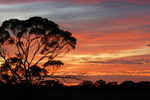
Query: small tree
(86, 83)
(24, 44)
(100, 83)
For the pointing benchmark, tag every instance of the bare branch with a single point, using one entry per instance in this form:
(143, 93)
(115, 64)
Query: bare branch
(12, 71)
(35, 53)
(76, 77)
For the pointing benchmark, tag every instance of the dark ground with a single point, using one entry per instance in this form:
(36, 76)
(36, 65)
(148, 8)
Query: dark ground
(52, 90)
(17, 94)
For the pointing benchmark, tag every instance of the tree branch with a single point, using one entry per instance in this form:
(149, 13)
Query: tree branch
(12, 71)
(76, 77)
(35, 53)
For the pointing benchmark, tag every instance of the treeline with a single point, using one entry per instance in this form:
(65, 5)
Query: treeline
(128, 86)
(99, 85)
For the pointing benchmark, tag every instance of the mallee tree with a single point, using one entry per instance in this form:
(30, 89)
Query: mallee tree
(24, 44)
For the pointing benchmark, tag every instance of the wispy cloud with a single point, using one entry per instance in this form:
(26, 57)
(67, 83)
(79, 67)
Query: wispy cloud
(138, 2)
(114, 55)
(135, 72)
(116, 61)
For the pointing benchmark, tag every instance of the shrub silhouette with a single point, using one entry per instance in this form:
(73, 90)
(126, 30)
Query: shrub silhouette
(52, 83)
(86, 83)
(100, 83)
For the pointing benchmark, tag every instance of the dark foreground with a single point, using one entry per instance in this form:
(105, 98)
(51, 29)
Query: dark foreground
(59, 94)
(52, 90)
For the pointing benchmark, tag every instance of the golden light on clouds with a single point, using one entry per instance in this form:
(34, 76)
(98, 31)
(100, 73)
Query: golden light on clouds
(135, 73)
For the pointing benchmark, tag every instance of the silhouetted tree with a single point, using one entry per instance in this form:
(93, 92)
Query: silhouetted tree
(111, 84)
(87, 83)
(52, 83)
(143, 85)
(26, 43)
(128, 85)
(100, 83)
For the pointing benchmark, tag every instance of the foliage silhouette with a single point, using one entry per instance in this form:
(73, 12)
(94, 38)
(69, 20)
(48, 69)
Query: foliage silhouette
(100, 83)
(25, 43)
(126, 86)
(86, 83)
(112, 84)
(87, 90)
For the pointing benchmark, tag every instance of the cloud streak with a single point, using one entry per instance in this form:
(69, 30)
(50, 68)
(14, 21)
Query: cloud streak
(137, 2)
(116, 61)
(134, 73)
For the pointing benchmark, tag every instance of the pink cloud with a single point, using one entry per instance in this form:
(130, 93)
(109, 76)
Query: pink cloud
(139, 2)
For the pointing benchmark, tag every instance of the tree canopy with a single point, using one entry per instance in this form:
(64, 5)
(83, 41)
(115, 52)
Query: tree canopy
(24, 44)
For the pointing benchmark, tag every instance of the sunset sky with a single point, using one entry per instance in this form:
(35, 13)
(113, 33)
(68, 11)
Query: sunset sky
(112, 35)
